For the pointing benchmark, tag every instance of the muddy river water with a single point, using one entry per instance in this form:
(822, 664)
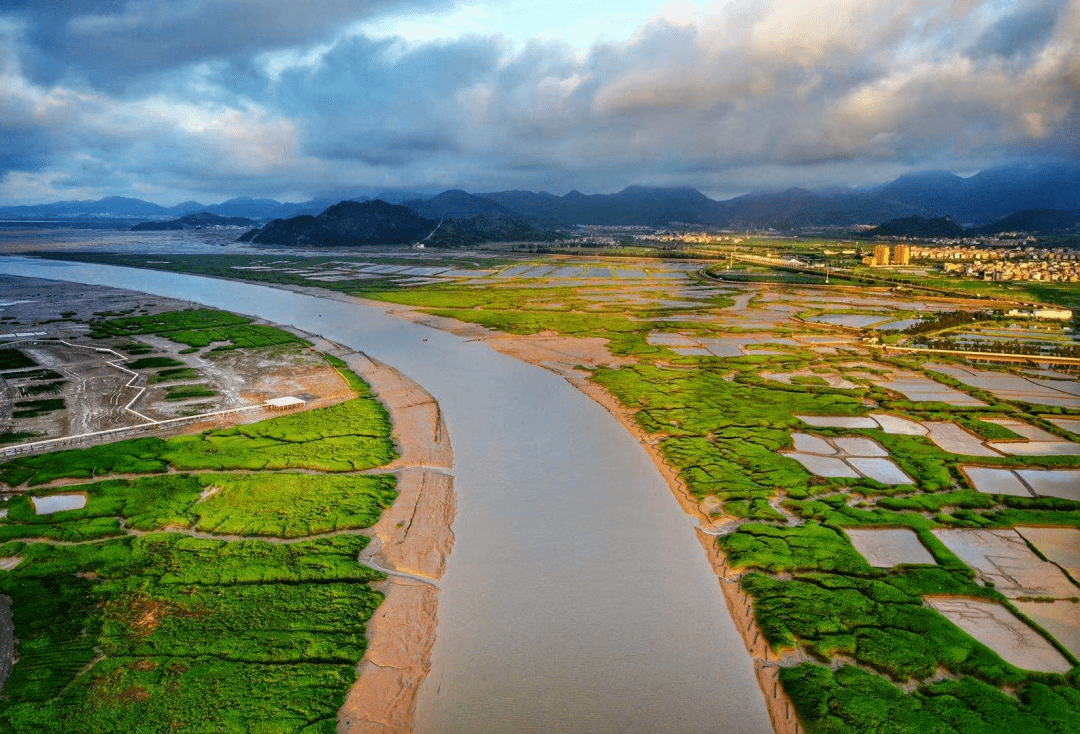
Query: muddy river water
(577, 598)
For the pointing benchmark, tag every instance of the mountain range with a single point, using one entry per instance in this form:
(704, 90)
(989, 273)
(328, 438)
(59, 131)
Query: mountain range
(1029, 220)
(971, 202)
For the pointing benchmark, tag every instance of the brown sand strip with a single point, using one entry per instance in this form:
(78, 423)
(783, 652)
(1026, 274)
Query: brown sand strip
(419, 430)
(412, 537)
(414, 534)
(767, 663)
(398, 658)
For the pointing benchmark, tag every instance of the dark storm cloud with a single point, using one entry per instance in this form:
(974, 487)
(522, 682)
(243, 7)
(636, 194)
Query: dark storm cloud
(109, 42)
(861, 84)
(752, 95)
(1026, 29)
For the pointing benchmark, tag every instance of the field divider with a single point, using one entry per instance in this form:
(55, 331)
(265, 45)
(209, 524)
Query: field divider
(988, 356)
(63, 441)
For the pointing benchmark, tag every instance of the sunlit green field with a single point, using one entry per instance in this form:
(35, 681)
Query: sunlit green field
(876, 652)
(134, 624)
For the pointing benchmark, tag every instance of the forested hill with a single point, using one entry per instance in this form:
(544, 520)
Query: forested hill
(347, 223)
(202, 220)
(351, 223)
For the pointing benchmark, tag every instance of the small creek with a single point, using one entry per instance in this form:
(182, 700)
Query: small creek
(577, 598)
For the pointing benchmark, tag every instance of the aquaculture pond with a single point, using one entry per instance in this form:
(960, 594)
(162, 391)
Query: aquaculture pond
(577, 597)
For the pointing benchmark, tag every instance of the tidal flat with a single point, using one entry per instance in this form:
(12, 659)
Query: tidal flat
(775, 533)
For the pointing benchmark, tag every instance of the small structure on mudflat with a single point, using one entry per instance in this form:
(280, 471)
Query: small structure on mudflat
(284, 403)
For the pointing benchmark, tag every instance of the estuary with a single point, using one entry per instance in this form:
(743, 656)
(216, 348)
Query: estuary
(577, 597)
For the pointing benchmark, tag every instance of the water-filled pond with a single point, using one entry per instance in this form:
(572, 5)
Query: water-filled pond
(58, 503)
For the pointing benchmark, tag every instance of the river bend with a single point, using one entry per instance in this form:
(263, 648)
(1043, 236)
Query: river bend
(577, 598)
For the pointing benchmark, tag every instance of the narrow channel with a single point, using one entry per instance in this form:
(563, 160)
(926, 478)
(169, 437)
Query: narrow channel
(577, 598)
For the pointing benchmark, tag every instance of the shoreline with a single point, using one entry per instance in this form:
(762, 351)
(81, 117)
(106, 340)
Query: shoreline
(558, 354)
(740, 607)
(410, 542)
(562, 361)
(402, 630)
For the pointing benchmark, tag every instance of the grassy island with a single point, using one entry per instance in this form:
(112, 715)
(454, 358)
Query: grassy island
(131, 616)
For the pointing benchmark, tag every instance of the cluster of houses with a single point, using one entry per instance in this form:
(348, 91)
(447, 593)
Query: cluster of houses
(1050, 271)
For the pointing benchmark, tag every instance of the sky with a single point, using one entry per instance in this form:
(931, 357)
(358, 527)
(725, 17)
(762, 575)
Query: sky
(212, 99)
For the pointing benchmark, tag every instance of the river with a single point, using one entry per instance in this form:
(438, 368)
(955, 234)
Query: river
(577, 598)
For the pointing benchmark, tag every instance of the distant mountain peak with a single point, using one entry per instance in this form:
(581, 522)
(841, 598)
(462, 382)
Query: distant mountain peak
(122, 200)
(1035, 220)
(346, 223)
(458, 204)
(927, 176)
(249, 200)
(666, 192)
(644, 188)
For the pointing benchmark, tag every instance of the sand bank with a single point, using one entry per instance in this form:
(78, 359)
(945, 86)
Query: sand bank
(401, 634)
(412, 538)
(383, 698)
(562, 355)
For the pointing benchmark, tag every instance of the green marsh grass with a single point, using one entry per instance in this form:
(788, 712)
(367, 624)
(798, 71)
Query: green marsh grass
(168, 632)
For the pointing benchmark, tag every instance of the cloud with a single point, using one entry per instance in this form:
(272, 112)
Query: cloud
(1026, 29)
(108, 43)
(742, 95)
